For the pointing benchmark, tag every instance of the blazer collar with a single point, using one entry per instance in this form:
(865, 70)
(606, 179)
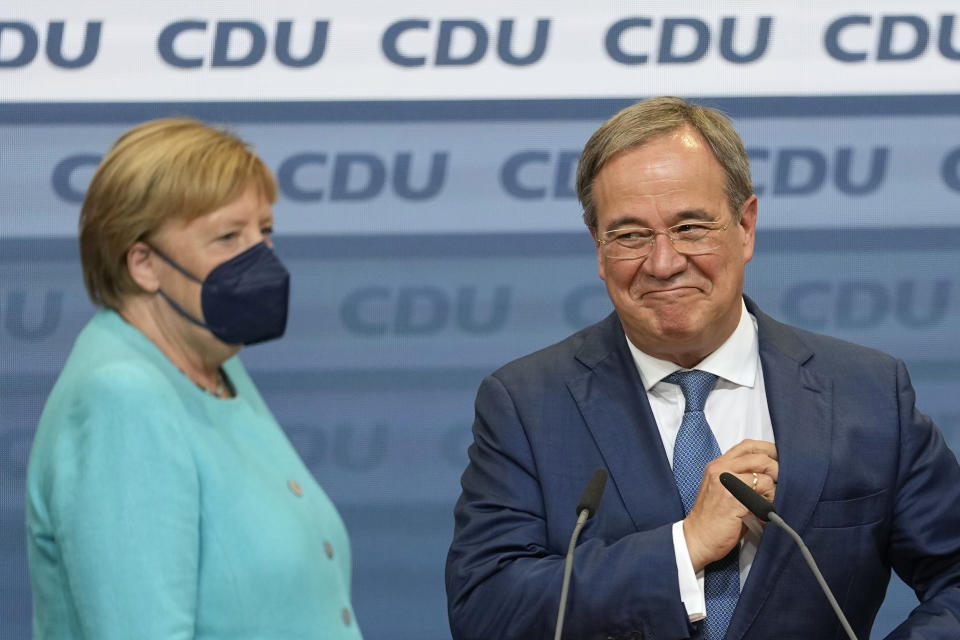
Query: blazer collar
(800, 404)
(612, 400)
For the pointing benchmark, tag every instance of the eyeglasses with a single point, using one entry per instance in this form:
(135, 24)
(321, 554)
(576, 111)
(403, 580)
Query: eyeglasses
(688, 238)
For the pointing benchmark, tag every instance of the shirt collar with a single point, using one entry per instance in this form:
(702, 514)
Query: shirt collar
(735, 360)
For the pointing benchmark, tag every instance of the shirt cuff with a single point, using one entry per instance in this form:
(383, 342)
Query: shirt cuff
(691, 582)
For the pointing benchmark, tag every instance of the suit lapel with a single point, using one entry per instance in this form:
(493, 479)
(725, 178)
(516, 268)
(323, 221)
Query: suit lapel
(614, 406)
(611, 398)
(800, 410)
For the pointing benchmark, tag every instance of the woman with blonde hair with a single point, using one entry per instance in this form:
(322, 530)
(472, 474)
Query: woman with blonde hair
(163, 499)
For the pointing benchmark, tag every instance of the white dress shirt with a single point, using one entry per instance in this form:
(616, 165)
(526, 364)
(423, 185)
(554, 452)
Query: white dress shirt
(736, 410)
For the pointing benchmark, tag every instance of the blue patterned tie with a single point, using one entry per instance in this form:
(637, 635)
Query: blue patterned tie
(694, 448)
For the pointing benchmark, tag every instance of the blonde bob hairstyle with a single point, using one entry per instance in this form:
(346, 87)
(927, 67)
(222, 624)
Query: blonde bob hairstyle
(642, 122)
(161, 170)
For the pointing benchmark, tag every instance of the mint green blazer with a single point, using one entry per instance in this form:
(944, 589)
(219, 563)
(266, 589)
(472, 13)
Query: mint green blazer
(155, 510)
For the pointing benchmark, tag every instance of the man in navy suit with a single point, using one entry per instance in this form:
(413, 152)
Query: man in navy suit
(824, 428)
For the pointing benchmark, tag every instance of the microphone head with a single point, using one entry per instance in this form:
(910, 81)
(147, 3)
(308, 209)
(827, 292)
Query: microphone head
(590, 500)
(756, 503)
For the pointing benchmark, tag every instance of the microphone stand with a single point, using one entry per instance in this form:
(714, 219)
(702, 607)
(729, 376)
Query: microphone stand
(764, 509)
(588, 505)
(777, 520)
(567, 571)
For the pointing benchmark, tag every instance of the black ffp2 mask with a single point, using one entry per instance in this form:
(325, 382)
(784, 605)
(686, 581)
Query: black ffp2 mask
(244, 300)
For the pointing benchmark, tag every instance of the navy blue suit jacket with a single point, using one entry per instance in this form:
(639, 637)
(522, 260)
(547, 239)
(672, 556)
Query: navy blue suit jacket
(866, 479)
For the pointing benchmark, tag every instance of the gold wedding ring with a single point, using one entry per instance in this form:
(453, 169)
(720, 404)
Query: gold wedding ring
(755, 478)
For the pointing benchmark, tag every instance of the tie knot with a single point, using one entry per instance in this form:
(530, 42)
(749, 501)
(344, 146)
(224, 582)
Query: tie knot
(695, 385)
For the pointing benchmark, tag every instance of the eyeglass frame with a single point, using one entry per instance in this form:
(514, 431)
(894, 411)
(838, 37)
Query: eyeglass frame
(601, 242)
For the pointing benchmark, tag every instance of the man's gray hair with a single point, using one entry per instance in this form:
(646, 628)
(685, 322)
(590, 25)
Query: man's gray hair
(642, 122)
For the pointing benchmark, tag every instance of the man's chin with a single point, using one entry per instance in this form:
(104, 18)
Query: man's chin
(679, 330)
(680, 336)
(675, 312)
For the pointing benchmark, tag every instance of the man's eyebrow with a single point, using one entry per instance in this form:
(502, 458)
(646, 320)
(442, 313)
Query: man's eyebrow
(694, 214)
(626, 221)
(677, 218)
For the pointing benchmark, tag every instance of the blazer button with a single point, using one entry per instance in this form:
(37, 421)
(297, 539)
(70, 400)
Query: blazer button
(345, 616)
(295, 487)
(328, 549)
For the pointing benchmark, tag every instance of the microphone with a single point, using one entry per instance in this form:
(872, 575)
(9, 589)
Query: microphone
(764, 509)
(588, 505)
(752, 500)
(590, 500)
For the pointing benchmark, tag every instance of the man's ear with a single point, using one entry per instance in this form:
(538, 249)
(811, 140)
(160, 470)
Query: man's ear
(141, 264)
(748, 226)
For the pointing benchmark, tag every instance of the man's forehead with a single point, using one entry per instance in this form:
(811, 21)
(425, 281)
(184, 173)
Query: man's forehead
(684, 145)
(653, 190)
(685, 134)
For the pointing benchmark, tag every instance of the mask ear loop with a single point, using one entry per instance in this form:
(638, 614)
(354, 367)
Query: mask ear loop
(183, 312)
(173, 264)
(176, 307)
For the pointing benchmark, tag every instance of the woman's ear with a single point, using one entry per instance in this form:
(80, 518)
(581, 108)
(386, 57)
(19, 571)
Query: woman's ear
(141, 264)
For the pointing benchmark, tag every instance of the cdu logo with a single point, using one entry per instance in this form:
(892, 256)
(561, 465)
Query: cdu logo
(425, 310)
(867, 304)
(21, 43)
(686, 40)
(28, 318)
(896, 38)
(538, 174)
(350, 176)
(802, 171)
(461, 43)
(240, 44)
(950, 170)
(359, 176)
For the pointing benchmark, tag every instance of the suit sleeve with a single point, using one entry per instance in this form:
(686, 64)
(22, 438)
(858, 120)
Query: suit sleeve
(925, 540)
(504, 573)
(125, 507)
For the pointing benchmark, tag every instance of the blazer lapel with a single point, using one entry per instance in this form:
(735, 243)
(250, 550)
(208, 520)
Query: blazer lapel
(800, 410)
(612, 400)
(614, 405)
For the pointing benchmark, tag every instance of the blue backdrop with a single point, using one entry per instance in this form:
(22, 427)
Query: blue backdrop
(431, 241)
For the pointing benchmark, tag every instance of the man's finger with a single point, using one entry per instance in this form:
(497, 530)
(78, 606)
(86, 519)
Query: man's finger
(748, 447)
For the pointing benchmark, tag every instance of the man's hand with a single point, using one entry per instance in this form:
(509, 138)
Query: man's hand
(715, 524)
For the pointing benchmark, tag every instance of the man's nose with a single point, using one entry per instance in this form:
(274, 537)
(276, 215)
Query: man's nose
(664, 260)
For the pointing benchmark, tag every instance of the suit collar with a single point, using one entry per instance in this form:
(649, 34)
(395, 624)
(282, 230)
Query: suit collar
(779, 336)
(612, 399)
(606, 336)
(800, 404)
(736, 360)
(614, 405)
